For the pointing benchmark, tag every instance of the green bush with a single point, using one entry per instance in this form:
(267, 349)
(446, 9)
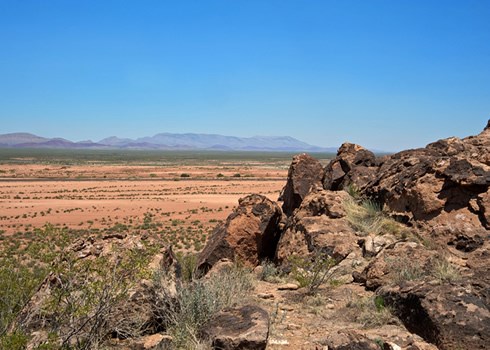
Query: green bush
(312, 271)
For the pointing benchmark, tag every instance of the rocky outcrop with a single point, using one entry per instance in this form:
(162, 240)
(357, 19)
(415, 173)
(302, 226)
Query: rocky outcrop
(353, 165)
(304, 172)
(454, 316)
(249, 235)
(396, 263)
(319, 224)
(445, 183)
(244, 328)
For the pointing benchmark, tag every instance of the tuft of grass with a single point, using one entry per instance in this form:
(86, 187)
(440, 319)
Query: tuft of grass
(188, 263)
(405, 270)
(196, 302)
(444, 271)
(371, 312)
(367, 217)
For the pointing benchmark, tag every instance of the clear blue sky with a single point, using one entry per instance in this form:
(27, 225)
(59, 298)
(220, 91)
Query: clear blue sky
(385, 74)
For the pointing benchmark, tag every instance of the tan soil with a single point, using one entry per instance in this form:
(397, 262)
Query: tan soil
(30, 201)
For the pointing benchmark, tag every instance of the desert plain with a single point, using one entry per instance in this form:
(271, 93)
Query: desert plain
(179, 193)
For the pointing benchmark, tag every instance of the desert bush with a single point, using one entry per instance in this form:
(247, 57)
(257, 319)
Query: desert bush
(185, 175)
(405, 269)
(85, 303)
(270, 272)
(188, 264)
(17, 284)
(196, 302)
(312, 271)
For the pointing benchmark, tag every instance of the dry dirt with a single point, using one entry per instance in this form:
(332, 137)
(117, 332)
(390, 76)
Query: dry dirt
(101, 196)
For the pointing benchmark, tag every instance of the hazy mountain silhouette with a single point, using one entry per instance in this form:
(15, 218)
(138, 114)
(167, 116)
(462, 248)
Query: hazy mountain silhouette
(168, 141)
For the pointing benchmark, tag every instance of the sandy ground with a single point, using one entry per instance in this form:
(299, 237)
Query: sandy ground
(31, 201)
(143, 172)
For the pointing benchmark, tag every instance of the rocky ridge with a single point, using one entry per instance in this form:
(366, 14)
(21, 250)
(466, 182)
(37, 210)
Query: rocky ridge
(432, 269)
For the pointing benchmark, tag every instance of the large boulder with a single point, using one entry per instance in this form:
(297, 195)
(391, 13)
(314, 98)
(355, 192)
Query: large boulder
(353, 165)
(319, 224)
(304, 172)
(249, 235)
(454, 316)
(244, 328)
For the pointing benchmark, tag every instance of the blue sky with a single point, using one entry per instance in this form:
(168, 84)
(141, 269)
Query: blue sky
(385, 74)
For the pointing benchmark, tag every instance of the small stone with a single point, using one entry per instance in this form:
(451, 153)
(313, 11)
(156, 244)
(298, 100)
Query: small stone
(331, 306)
(286, 308)
(288, 286)
(156, 340)
(273, 341)
(265, 296)
(293, 326)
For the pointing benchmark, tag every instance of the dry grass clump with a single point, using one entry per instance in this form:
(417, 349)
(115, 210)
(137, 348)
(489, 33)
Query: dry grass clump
(197, 301)
(405, 269)
(370, 312)
(444, 271)
(368, 217)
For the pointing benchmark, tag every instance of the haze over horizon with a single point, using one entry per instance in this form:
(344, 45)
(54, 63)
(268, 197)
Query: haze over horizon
(387, 75)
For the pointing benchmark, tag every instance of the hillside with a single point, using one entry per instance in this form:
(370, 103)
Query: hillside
(168, 141)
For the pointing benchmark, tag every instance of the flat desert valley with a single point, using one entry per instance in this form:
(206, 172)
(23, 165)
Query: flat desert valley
(176, 194)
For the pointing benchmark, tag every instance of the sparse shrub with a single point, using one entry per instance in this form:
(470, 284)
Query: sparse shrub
(199, 300)
(220, 175)
(188, 263)
(312, 271)
(270, 272)
(14, 341)
(237, 175)
(185, 175)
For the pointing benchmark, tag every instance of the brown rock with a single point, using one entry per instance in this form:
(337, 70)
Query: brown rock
(319, 224)
(288, 286)
(304, 172)
(452, 316)
(353, 164)
(484, 206)
(397, 263)
(349, 340)
(243, 328)
(249, 234)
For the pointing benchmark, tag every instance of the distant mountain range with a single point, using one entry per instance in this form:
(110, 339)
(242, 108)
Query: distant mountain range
(168, 141)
